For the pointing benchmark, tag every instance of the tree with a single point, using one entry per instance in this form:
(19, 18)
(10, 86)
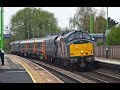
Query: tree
(114, 36)
(101, 24)
(111, 22)
(81, 19)
(29, 20)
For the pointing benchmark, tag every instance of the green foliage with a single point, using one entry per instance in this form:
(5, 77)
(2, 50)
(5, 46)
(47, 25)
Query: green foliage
(111, 23)
(99, 42)
(114, 36)
(27, 20)
(81, 19)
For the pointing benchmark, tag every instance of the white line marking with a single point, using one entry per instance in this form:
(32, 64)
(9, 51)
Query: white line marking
(41, 73)
(15, 71)
(36, 67)
(49, 80)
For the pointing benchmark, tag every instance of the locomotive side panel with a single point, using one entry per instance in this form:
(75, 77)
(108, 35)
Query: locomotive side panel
(50, 48)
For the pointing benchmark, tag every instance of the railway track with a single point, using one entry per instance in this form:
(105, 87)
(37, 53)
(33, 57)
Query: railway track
(101, 76)
(95, 76)
(67, 74)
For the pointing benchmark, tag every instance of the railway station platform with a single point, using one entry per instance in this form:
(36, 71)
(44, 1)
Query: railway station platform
(20, 70)
(108, 61)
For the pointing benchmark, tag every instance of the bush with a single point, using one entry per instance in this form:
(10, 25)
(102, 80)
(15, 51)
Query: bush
(114, 36)
(99, 42)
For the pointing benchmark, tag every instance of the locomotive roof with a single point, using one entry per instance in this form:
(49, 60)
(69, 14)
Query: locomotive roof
(67, 34)
(51, 37)
(73, 31)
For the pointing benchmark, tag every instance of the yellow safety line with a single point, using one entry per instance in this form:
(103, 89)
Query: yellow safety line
(29, 73)
(47, 72)
(33, 79)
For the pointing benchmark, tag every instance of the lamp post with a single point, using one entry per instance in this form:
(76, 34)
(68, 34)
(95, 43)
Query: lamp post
(44, 29)
(33, 32)
(38, 32)
(1, 34)
(28, 34)
(49, 28)
(91, 24)
(107, 36)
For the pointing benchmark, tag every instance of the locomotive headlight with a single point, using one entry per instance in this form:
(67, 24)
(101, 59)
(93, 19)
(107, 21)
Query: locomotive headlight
(81, 51)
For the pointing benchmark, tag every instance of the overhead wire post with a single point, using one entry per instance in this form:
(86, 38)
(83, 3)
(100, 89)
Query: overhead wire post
(107, 36)
(1, 36)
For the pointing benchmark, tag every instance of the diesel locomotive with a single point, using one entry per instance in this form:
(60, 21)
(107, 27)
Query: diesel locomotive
(73, 49)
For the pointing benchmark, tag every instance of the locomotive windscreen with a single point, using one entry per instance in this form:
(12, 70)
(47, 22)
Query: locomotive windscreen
(78, 35)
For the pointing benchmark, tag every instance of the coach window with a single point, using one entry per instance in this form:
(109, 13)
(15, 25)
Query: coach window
(38, 45)
(24, 45)
(30, 45)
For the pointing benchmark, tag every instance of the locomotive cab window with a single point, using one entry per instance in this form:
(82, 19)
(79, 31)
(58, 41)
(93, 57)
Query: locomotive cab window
(74, 35)
(71, 37)
(78, 35)
(86, 36)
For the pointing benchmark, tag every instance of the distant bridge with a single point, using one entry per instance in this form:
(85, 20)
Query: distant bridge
(97, 36)
(7, 35)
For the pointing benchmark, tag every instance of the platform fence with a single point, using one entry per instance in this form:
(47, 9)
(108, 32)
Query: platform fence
(113, 51)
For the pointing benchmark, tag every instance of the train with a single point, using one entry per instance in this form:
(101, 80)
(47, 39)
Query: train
(72, 49)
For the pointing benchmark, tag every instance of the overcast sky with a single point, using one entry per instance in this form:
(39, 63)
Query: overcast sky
(62, 13)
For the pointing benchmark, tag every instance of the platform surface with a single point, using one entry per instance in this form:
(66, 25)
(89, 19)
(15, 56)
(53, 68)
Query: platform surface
(109, 61)
(12, 72)
(20, 70)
